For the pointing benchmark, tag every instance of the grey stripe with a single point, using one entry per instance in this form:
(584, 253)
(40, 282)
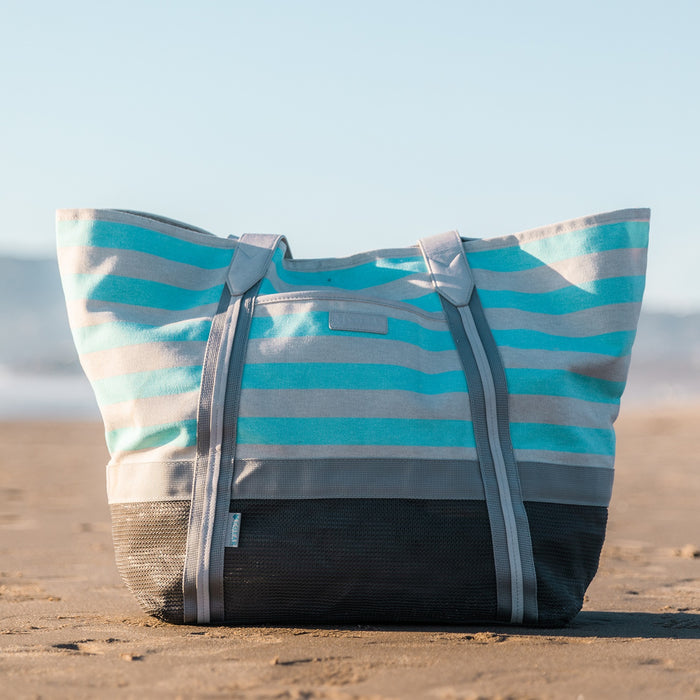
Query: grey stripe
(92, 312)
(355, 451)
(410, 286)
(358, 478)
(518, 239)
(165, 453)
(353, 350)
(191, 576)
(558, 483)
(559, 410)
(145, 357)
(578, 324)
(365, 478)
(527, 561)
(412, 479)
(565, 273)
(569, 458)
(188, 232)
(614, 369)
(228, 451)
(321, 264)
(304, 403)
(138, 265)
(152, 222)
(156, 410)
(327, 300)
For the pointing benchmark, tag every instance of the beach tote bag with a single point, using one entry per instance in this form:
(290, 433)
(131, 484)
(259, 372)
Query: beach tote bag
(413, 435)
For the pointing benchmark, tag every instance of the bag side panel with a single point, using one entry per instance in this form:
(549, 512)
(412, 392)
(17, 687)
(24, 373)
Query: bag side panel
(140, 304)
(141, 295)
(563, 304)
(149, 544)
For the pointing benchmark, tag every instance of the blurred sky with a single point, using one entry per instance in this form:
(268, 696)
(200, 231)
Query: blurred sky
(355, 125)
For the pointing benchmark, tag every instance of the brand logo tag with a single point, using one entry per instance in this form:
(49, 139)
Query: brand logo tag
(233, 529)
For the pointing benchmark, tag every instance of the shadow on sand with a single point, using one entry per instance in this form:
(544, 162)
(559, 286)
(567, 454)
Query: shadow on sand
(588, 624)
(671, 625)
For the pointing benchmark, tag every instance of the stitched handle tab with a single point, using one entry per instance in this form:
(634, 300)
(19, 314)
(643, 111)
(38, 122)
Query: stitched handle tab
(448, 267)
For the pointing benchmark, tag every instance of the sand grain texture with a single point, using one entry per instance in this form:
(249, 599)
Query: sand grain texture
(69, 629)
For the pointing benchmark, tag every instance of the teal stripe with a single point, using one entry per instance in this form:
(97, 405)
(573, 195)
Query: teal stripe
(106, 234)
(546, 251)
(562, 438)
(315, 323)
(615, 290)
(341, 376)
(355, 431)
(428, 302)
(371, 274)
(180, 434)
(611, 344)
(144, 385)
(129, 290)
(266, 287)
(559, 382)
(116, 334)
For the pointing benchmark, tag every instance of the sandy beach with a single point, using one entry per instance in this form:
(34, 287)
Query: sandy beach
(69, 628)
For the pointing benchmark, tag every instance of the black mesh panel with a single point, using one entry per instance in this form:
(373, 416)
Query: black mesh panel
(149, 543)
(360, 560)
(566, 542)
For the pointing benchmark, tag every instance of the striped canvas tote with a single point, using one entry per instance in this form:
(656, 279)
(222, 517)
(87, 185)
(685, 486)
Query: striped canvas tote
(413, 435)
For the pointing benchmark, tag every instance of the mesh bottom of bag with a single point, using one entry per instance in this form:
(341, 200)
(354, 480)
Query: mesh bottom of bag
(566, 543)
(384, 561)
(149, 544)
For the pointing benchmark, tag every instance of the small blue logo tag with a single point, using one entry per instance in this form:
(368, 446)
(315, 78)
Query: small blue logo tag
(234, 529)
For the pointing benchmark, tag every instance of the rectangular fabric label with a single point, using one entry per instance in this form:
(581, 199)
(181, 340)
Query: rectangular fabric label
(233, 529)
(359, 322)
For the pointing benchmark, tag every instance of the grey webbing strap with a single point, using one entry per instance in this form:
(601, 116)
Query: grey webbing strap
(453, 280)
(249, 264)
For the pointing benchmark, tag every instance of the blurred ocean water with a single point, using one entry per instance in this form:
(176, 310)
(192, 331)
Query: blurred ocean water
(34, 396)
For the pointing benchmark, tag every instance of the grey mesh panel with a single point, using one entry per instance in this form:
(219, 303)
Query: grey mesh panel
(149, 544)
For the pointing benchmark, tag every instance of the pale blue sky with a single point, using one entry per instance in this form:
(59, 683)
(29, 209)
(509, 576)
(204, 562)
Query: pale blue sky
(355, 125)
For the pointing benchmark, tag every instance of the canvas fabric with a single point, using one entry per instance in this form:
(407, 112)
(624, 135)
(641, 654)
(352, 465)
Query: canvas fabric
(421, 434)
